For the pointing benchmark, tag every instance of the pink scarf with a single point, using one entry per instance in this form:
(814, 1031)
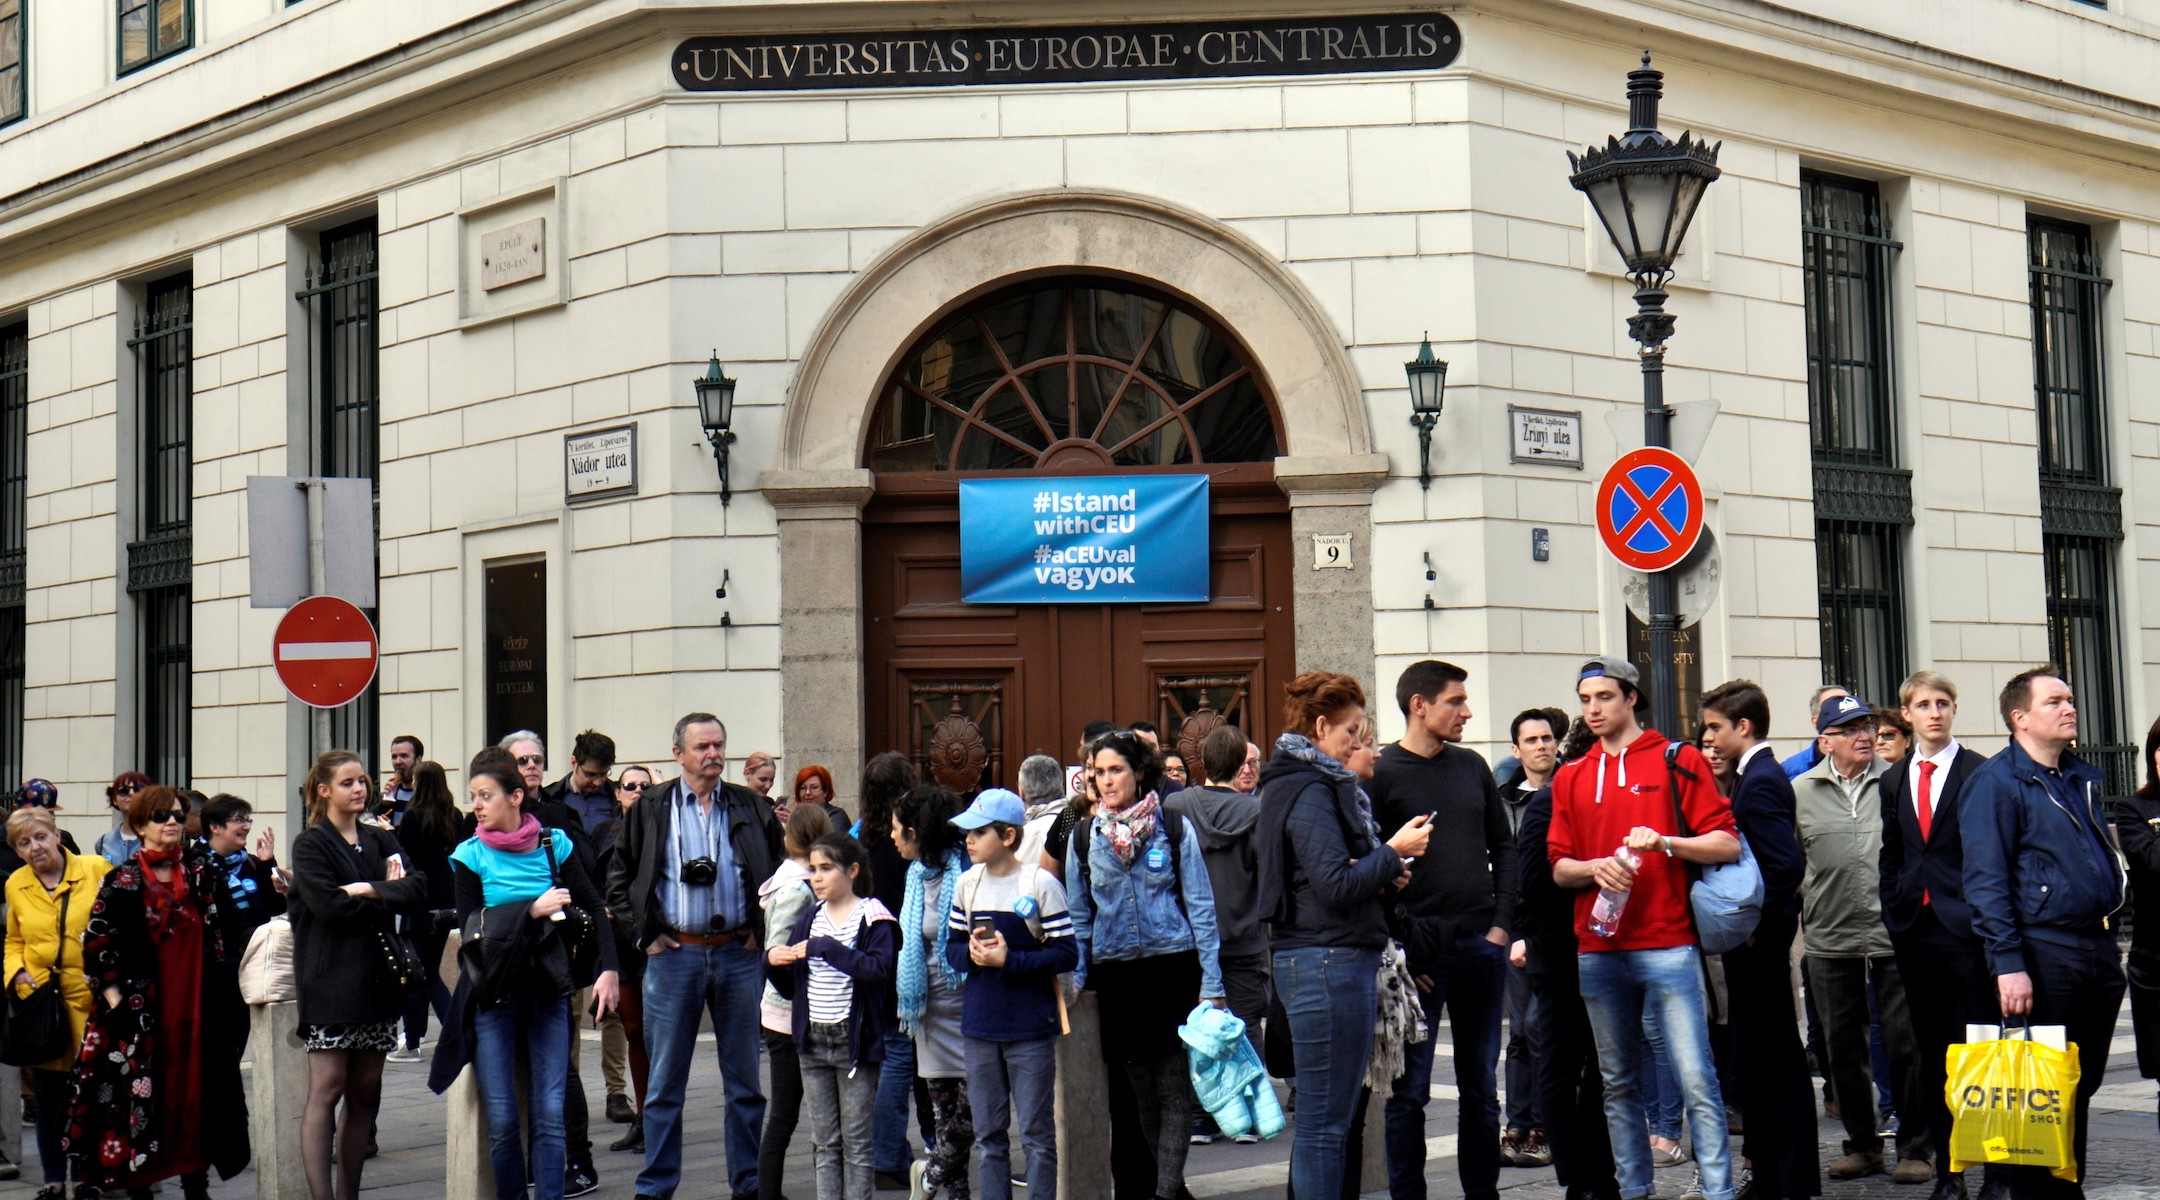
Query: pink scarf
(1128, 828)
(522, 840)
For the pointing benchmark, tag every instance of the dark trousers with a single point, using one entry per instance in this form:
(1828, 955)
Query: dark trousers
(2081, 989)
(1776, 1097)
(1522, 1064)
(1470, 981)
(1841, 998)
(783, 1112)
(1947, 986)
(1571, 1091)
(431, 994)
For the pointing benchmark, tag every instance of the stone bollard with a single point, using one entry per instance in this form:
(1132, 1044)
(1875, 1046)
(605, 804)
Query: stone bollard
(11, 1127)
(1372, 1173)
(277, 1100)
(1083, 1106)
(468, 1171)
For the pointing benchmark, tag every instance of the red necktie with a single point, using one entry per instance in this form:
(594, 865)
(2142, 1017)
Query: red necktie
(1925, 808)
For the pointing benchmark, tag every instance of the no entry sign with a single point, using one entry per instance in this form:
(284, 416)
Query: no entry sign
(1650, 509)
(324, 651)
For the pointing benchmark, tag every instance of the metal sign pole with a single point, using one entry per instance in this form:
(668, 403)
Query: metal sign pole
(318, 584)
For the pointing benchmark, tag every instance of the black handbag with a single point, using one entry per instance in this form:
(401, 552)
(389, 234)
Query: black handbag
(578, 933)
(38, 1028)
(399, 963)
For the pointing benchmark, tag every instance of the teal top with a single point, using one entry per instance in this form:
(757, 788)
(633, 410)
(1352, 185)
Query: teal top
(506, 878)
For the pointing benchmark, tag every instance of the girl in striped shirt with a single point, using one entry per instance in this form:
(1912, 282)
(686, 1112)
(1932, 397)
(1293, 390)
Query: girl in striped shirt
(837, 972)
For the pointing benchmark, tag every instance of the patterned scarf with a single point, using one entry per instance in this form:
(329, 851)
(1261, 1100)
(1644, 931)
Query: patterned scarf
(1128, 828)
(1300, 747)
(161, 900)
(913, 974)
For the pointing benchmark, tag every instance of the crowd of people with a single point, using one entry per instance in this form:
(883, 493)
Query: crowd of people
(1338, 897)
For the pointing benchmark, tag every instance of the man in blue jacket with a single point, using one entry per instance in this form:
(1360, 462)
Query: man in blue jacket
(2043, 876)
(1775, 1096)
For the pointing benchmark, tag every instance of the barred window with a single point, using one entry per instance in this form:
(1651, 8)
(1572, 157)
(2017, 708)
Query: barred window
(1863, 498)
(14, 62)
(2080, 512)
(14, 533)
(153, 29)
(341, 296)
(161, 563)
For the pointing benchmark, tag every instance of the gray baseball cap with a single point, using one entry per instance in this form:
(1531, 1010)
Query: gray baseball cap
(1614, 668)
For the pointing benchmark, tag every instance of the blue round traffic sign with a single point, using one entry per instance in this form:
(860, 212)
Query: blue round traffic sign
(1650, 509)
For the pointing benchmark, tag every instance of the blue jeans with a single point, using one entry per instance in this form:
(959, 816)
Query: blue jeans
(541, 1028)
(1003, 1077)
(1660, 1087)
(1619, 987)
(1329, 996)
(680, 985)
(1470, 982)
(889, 1150)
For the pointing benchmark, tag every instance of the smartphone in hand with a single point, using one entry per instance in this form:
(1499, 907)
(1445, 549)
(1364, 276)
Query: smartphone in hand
(985, 927)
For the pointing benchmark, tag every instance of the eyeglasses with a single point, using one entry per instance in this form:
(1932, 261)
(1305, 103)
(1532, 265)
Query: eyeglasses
(171, 816)
(630, 787)
(532, 760)
(127, 789)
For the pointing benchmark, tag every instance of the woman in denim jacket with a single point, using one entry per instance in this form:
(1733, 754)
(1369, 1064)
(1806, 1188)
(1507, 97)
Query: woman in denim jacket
(1145, 916)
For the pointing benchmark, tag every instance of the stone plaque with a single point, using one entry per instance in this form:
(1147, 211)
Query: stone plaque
(517, 648)
(513, 254)
(600, 463)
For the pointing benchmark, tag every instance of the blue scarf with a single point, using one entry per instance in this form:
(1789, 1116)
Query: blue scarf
(913, 979)
(1300, 747)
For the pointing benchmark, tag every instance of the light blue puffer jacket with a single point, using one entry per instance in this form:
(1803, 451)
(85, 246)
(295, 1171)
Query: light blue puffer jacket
(1227, 1075)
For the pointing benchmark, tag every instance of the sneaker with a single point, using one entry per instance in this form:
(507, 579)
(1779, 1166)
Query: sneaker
(1694, 1188)
(1204, 1130)
(1675, 1157)
(918, 1184)
(580, 1180)
(1246, 1139)
(1511, 1148)
(1856, 1164)
(403, 1054)
(1886, 1123)
(1536, 1151)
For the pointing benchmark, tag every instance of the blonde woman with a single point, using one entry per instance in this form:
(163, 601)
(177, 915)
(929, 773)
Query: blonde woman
(48, 906)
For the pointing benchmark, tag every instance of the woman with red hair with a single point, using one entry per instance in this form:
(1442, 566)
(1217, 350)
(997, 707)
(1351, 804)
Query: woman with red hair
(813, 785)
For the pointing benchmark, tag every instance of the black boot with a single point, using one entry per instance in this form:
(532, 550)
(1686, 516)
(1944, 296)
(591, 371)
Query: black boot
(633, 1138)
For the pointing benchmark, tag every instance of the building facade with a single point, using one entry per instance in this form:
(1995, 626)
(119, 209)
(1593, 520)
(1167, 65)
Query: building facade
(478, 252)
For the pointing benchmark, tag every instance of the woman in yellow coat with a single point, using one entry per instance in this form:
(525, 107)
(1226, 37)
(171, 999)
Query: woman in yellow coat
(52, 883)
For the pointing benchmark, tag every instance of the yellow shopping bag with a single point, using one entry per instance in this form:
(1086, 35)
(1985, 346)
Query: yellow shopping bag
(2012, 1102)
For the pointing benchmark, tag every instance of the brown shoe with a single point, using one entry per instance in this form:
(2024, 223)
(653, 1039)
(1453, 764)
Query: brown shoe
(1856, 1164)
(1913, 1170)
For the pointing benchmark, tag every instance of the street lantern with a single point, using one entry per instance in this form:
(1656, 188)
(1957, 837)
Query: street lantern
(716, 413)
(1428, 386)
(1645, 188)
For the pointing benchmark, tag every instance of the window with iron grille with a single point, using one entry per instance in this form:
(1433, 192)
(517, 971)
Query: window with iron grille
(161, 563)
(153, 29)
(344, 429)
(14, 533)
(1863, 498)
(14, 61)
(2080, 512)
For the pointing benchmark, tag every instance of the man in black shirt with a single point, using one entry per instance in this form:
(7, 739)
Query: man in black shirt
(1453, 922)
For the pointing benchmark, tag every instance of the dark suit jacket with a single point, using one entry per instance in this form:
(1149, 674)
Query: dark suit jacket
(1936, 866)
(1762, 806)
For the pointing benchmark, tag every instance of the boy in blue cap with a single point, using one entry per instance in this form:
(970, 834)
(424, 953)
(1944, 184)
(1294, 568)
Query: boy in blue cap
(1012, 940)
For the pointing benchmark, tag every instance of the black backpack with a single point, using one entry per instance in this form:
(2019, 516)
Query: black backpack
(1173, 826)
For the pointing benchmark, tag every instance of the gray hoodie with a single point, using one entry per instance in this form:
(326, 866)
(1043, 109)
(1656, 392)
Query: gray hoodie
(1223, 820)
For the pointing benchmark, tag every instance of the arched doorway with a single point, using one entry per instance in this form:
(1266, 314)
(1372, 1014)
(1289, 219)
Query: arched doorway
(1067, 375)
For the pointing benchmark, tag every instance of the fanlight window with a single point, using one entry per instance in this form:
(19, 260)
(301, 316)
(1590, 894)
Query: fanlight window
(1072, 373)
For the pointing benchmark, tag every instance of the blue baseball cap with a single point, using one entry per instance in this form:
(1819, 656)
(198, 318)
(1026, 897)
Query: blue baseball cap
(1840, 710)
(996, 806)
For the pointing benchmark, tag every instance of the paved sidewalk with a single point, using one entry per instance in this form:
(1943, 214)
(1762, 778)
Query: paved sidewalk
(2124, 1148)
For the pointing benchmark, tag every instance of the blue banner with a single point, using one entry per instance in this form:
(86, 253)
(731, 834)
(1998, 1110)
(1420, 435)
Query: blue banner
(1090, 539)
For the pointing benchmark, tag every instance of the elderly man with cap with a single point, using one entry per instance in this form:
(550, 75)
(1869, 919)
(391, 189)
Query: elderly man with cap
(1614, 832)
(1838, 809)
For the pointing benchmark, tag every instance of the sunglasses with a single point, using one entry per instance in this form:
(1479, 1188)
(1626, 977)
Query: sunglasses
(630, 787)
(532, 760)
(127, 790)
(171, 816)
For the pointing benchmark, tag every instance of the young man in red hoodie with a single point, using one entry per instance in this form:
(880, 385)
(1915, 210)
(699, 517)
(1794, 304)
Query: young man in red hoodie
(1623, 794)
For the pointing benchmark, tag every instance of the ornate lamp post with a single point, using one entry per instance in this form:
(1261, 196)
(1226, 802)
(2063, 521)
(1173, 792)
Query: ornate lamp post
(1428, 386)
(1645, 188)
(716, 414)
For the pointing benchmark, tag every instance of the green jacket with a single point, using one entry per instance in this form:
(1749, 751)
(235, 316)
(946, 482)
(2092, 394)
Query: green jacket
(1841, 839)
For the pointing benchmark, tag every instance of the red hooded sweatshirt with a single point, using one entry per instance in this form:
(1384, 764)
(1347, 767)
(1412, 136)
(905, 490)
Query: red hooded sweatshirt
(1598, 798)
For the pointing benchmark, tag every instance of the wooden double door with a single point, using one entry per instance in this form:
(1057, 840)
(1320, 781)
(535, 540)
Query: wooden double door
(970, 690)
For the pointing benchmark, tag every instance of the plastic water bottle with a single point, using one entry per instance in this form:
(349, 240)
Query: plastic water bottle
(1606, 909)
